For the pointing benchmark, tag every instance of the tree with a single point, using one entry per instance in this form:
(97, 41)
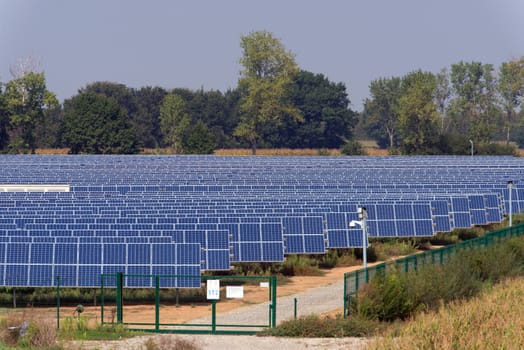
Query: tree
(216, 110)
(199, 140)
(380, 115)
(267, 75)
(324, 105)
(511, 89)
(418, 117)
(174, 121)
(146, 120)
(4, 119)
(27, 99)
(472, 108)
(48, 130)
(442, 94)
(95, 123)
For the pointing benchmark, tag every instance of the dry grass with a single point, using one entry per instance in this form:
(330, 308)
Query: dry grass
(40, 332)
(369, 146)
(492, 320)
(170, 342)
(278, 152)
(52, 151)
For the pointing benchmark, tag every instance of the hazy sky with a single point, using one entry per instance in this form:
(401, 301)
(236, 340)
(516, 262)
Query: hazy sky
(196, 43)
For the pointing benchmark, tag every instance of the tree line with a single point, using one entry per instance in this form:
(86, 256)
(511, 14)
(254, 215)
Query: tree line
(275, 105)
(445, 113)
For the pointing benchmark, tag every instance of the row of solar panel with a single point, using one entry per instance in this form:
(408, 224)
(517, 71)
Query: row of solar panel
(476, 208)
(39, 264)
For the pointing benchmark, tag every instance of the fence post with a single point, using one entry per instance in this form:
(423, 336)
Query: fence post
(274, 300)
(102, 298)
(119, 297)
(157, 302)
(356, 280)
(213, 316)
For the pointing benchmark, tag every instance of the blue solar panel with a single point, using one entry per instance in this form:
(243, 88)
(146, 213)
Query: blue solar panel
(304, 235)
(151, 197)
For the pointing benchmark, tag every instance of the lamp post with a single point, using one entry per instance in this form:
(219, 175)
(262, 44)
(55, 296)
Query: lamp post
(471, 141)
(363, 216)
(510, 188)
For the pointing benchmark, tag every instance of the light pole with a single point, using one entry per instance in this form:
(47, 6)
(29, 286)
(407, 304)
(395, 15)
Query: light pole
(471, 141)
(363, 216)
(510, 188)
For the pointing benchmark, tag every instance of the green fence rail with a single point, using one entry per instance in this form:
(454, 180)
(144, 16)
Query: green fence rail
(355, 280)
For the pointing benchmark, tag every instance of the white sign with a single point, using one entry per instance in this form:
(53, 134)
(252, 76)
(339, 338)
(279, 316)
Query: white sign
(213, 289)
(234, 292)
(264, 284)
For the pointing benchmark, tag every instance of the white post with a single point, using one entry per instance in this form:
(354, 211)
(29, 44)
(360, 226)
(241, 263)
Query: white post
(471, 141)
(364, 243)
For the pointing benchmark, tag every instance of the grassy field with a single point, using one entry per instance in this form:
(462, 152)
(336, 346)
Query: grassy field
(493, 320)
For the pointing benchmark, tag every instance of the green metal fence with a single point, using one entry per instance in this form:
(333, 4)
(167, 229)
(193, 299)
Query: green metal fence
(158, 312)
(355, 280)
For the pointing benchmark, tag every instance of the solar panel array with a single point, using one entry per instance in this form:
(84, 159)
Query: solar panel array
(181, 215)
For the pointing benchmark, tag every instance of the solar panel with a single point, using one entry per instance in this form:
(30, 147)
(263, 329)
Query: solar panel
(270, 206)
(304, 235)
(39, 264)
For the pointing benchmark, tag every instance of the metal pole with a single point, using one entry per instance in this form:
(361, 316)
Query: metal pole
(295, 309)
(510, 188)
(470, 141)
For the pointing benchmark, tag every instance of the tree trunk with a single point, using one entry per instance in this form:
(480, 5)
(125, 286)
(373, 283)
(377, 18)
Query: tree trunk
(254, 148)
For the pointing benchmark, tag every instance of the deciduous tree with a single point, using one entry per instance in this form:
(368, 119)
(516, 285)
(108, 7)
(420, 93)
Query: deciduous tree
(511, 89)
(473, 108)
(174, 121)
(267, 73)
(95, 123)
(328, 120)
(418, 117)
(27, 98)
(380, 116)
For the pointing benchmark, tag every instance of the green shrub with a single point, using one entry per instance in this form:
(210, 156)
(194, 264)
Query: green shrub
(314, 326)
(353, 148)
(297, 265)
(71, 326)
(496, 149)
(388, 249)
(329, 260)
(465, 234)
(398, 296)
(385, 298)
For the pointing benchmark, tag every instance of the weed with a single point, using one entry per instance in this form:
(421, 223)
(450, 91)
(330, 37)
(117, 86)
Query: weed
(170, 343)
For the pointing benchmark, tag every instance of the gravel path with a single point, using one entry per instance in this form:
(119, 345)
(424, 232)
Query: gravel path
(313, 301)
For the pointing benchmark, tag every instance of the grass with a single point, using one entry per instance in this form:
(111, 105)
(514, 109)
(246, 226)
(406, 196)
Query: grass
(492, 320)
(315, 326)
(387, 249)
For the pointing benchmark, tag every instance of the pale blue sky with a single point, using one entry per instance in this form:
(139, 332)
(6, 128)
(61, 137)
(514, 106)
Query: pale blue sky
(196, 43)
